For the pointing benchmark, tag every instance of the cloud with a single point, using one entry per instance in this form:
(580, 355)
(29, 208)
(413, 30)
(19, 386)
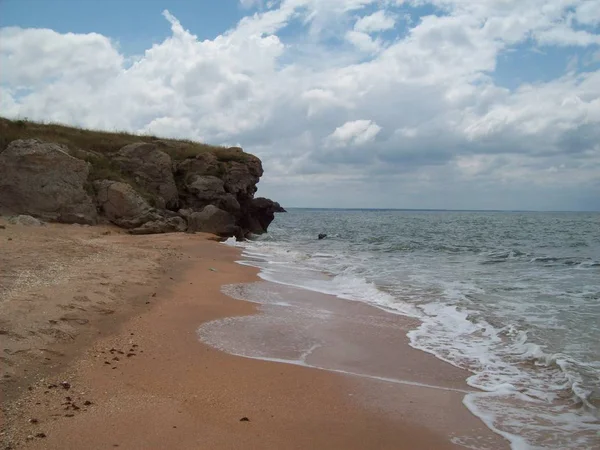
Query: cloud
(420, 120)
(357, 132)
(378, 21)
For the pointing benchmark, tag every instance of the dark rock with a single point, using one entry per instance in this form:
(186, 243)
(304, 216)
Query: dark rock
(259, 214)
(40, 435)
(87, 403)
(2, 227)
(43, 180)
(34, 421)
(213, 220)
(66, 385)
(244, 419)
(322, 235)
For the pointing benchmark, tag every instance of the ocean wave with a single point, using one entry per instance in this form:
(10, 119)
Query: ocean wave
(524, 386)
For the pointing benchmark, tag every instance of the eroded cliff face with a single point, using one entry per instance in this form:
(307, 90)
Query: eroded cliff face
(139, 187)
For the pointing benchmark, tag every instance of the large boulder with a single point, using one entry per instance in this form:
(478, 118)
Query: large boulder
(152, 169)
(122, 205)
(212, 220)
(259, 214)
(41, 179)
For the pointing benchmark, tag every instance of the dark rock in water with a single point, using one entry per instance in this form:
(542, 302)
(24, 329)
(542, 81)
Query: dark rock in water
(322, 235)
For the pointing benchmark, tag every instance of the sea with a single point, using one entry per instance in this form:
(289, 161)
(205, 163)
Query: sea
(512, 297)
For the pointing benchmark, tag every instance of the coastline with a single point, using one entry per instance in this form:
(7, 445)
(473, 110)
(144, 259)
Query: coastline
(174, 391)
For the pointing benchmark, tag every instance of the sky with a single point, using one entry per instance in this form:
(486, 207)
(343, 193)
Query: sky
(435, 104)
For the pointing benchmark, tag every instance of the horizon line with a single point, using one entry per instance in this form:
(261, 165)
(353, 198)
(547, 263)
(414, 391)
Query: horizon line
(445, 209)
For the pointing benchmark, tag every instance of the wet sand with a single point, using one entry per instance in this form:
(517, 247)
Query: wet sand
(139, 378)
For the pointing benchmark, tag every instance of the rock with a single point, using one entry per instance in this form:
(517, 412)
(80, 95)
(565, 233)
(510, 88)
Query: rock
(2, 227)
(205, 188)
(122, 205)
(26, 221)
(66, 385)
(171, 225)
(240, 179)
(259, 214)
(322, 236)
(213, 220)
(40, 435)
(43, 180)
(244, 419)
(152, 169)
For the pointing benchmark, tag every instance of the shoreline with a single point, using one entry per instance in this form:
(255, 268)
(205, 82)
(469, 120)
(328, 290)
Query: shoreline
(173, 391)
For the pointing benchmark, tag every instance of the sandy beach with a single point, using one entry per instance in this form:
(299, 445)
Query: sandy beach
(100, 350)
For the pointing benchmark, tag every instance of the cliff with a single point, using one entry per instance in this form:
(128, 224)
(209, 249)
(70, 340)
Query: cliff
(141, 183)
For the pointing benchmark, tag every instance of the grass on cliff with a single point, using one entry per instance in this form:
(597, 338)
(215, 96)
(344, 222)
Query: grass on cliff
(106, 143)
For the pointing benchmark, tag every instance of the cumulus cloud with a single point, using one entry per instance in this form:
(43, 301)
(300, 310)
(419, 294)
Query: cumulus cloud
(418, 120)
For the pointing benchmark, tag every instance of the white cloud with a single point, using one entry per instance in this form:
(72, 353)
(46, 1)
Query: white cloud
(378, 21)
(423, 114)
(357, 132)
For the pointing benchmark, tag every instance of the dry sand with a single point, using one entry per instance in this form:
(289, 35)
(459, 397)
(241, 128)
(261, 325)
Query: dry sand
(115, 317)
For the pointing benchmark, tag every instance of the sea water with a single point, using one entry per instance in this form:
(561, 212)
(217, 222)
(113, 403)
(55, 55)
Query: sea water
(512, 297)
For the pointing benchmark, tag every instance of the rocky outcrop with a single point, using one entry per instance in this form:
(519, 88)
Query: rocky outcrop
(122, 205)
(43, 180)
(155, 186)
(151, 169)
(259, 213)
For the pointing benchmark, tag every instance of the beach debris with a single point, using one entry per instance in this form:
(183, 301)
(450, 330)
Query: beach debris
(2, 227)
(33, 420)
(10, 239)
(87, 403)
(212, 269)
(66, 385)
(154, 295)
(52, 386)
(244, 419)
(322, 236)
(40, 435)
